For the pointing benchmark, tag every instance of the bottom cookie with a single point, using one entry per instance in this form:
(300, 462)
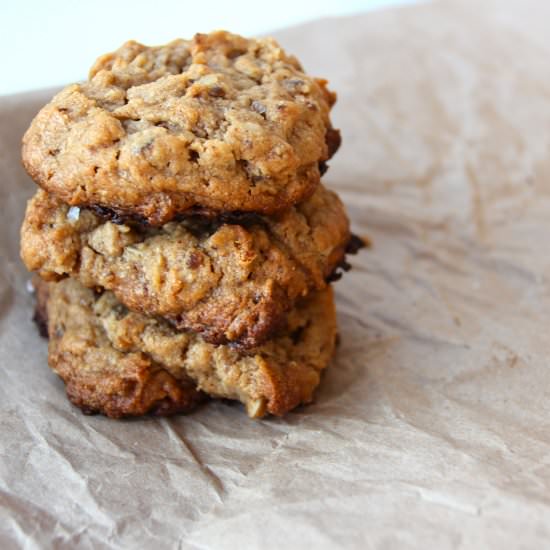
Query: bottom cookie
(121, 363)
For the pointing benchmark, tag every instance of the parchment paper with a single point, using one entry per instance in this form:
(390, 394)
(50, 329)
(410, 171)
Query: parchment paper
(431, 428)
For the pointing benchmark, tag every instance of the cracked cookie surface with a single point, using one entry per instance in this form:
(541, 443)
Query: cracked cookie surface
(232, 282)
(122, 363)
(219, 123)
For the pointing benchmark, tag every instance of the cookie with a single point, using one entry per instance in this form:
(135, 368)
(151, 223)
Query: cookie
(98, 377)
(218, 123)
(122, 363)
(232, 282)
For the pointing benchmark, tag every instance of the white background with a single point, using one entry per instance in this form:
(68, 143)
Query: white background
(50, 43)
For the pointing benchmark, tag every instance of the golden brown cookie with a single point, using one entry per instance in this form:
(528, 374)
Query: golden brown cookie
(122, 363)
(218, 122)
(232, 282)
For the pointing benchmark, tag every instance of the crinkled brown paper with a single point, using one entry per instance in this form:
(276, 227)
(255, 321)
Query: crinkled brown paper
(431, 427)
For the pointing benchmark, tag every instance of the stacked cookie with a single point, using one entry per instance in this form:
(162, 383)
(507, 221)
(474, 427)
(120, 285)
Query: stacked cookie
(182, 237)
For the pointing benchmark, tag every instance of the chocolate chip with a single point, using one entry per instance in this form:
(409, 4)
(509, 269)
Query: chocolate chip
(41, 322)
(194, 260)
(296, 335)
(355, 243)
(338, 271)
(232, 54)
(216, 91)
(120, 311)
(117, 217)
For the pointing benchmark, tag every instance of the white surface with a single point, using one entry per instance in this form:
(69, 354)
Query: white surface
(50, 43)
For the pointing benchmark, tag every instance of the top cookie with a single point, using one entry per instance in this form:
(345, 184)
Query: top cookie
(217, 123)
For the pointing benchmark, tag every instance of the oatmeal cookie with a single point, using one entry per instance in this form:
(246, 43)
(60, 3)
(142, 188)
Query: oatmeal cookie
(219, 123)
(120, 362)
(232, 282)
